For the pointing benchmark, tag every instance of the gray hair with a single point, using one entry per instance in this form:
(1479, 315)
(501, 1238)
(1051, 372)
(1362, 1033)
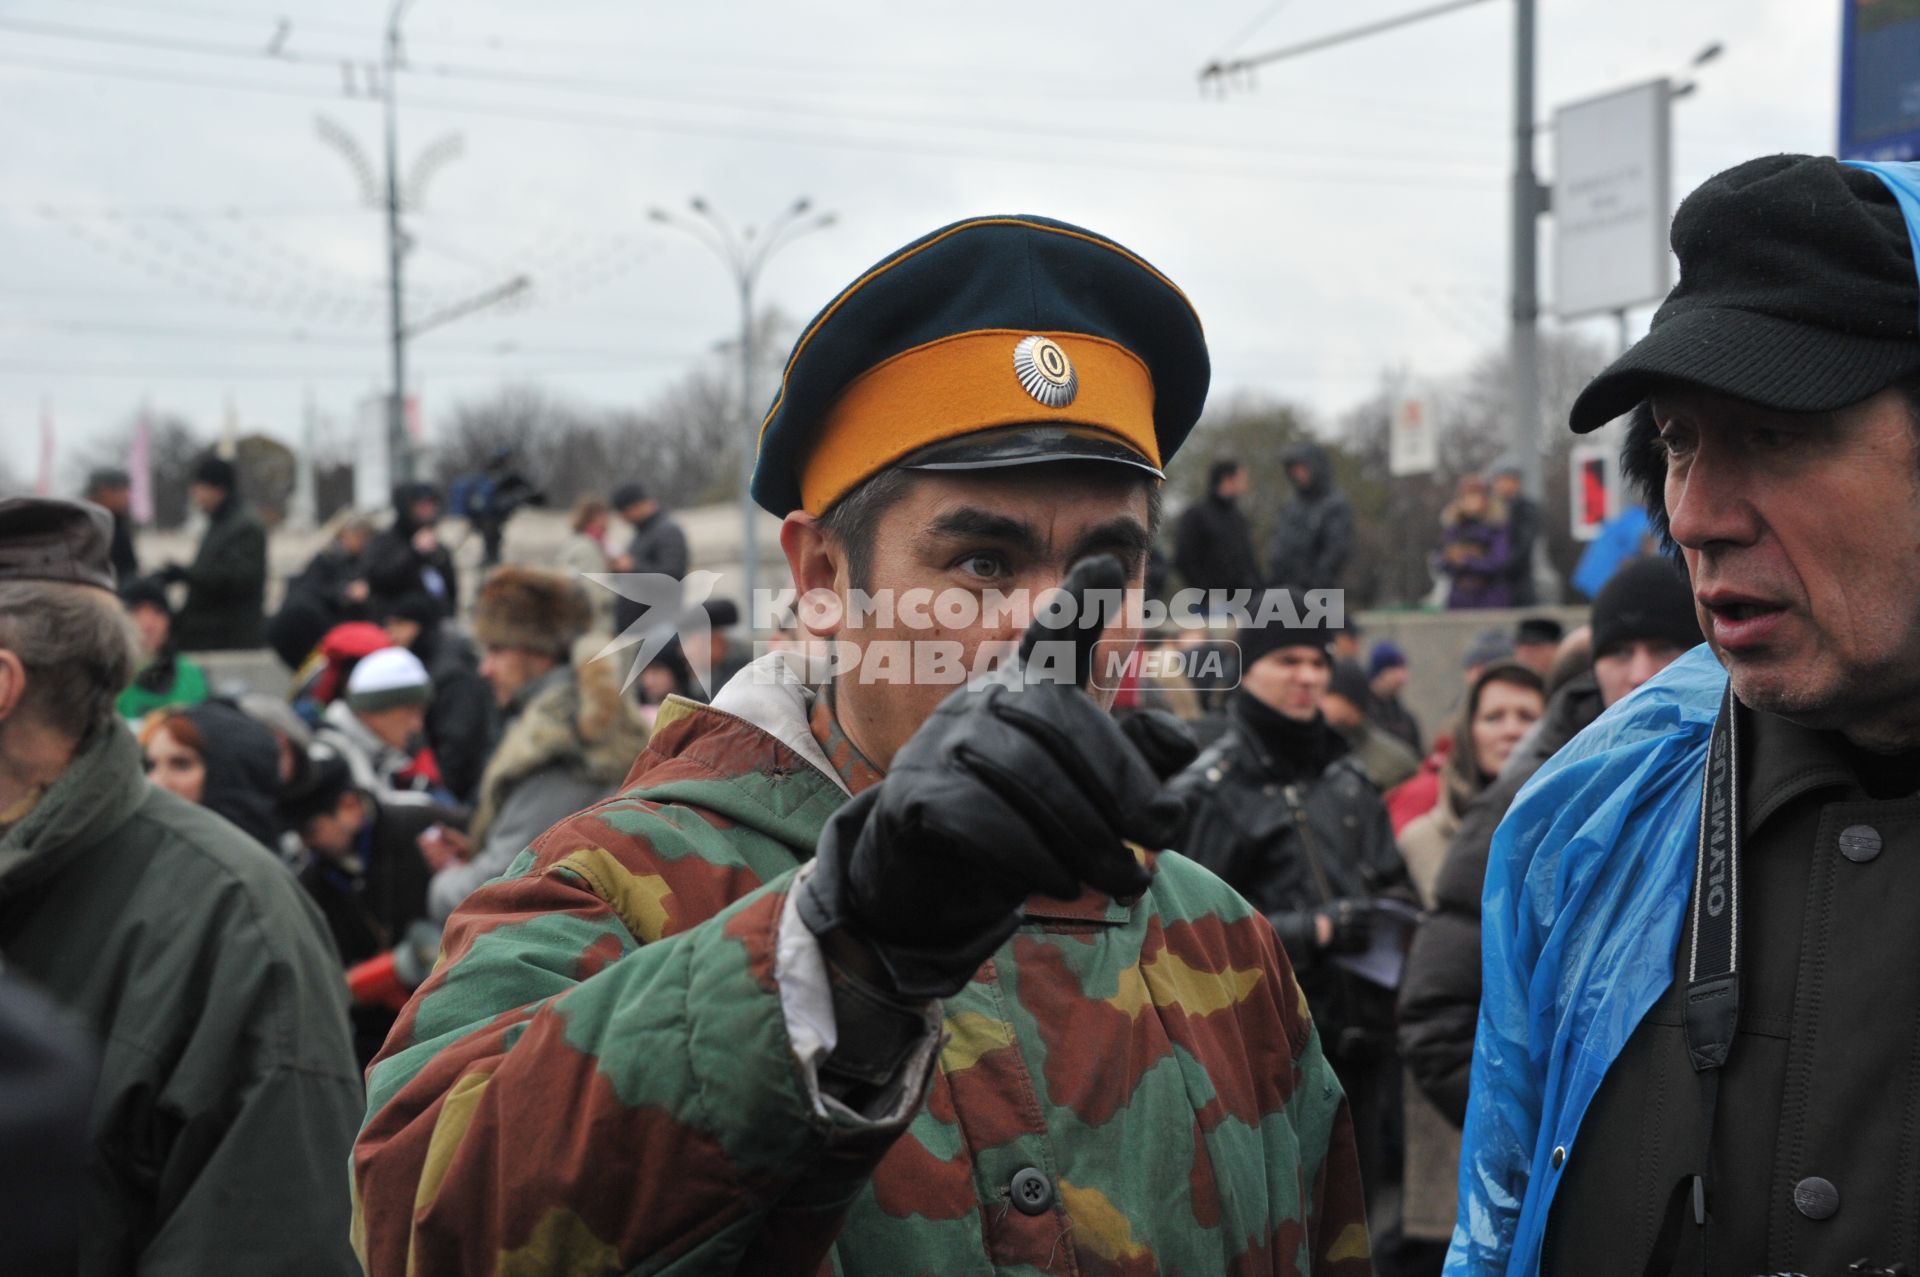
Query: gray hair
(78, 648)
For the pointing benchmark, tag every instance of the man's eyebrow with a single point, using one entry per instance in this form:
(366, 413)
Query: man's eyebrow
(970, 523)
(1125, 536)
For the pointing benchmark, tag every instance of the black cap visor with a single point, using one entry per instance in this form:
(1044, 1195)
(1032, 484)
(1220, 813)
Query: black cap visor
(1773, 362)
(1006, 446)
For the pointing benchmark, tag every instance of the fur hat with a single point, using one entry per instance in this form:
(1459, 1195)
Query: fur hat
(532, 608)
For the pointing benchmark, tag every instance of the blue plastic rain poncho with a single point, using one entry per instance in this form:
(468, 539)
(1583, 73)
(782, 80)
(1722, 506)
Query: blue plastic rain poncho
(1587, 888)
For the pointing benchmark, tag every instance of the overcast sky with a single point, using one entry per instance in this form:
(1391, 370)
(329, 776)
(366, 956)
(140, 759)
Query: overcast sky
(172, 227)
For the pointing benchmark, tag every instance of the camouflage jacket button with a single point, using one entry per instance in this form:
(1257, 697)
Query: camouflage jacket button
(1032, 1191)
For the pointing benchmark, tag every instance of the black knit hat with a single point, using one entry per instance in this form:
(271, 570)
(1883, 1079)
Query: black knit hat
(216, 470)
(1256, 641)
(1797, 292)
(1648, 598)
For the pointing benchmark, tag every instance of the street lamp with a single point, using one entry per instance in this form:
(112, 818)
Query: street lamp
(1700, 59)
(745, 253)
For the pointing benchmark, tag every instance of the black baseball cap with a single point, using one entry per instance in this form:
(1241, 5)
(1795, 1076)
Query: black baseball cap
(1797, 292)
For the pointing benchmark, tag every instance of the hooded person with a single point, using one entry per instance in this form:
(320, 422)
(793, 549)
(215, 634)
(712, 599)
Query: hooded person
(569, 737)
(226, 1097)
(1313, 538)
(227, 580)
(226, 761)
(407, 556)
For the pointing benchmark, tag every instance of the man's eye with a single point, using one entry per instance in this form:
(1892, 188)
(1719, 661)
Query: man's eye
(982, 565)
(1676, 443)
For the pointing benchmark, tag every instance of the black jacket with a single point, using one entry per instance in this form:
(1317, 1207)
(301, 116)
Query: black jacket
(315, 602)
(226, 583)
(1213, 547)
(1523, 531)
(1440, 994)
(242, 762)
(1293, 824)
(370, 900)
(126, 564)
(396, 569)
(1314, 538)
(1814, 1162)
(47, 1073)
(463, 719)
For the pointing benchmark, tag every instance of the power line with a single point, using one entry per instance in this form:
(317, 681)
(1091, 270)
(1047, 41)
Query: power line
(625, 90)
(172, 44)
(920, 147)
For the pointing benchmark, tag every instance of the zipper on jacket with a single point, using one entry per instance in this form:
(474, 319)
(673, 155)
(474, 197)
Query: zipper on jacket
(1292, 795)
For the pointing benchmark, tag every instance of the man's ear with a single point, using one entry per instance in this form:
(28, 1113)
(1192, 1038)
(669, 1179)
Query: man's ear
(817, 563)
(13, 684)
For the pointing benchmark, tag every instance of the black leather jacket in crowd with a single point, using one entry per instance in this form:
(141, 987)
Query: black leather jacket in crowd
(1292, 832)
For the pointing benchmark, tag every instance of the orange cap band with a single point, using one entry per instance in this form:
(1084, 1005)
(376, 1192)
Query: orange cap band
(966, 383)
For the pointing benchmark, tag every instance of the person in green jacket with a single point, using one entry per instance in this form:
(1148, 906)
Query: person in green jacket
(164, 677)
(883, 979)
(227, 580)
(227, 1094)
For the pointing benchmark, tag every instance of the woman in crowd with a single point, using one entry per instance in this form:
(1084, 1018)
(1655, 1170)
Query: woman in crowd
(1503, 704)
(216, 756)
(1476, 553)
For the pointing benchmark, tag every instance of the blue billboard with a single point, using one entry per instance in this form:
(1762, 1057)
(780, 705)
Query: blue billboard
(1880, 80)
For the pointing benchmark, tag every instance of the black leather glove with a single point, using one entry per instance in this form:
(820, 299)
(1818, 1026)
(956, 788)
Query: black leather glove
(1010, 789)
(1162, 739)
(1352, 922)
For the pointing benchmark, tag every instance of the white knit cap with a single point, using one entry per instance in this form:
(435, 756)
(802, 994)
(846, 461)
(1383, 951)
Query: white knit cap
(391, 676)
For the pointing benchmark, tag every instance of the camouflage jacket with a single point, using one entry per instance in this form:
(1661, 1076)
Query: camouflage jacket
(599, 1078)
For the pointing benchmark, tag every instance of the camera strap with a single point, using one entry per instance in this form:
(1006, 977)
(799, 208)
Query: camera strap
(1713, 957)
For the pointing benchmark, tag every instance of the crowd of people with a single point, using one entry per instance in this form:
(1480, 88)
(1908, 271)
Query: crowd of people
(469, 954)
(1489, 534)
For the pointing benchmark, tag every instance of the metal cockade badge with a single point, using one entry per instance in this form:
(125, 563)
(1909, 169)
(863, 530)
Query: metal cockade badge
(1045, 371)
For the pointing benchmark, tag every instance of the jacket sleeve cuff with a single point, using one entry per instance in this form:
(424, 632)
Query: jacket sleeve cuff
(889, 1051)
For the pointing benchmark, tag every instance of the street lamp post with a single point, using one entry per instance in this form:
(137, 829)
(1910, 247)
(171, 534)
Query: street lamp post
(745, 253)
(399, 450)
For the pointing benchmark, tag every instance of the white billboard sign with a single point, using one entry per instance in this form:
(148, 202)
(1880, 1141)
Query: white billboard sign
(1413, 444)
(1612, 198)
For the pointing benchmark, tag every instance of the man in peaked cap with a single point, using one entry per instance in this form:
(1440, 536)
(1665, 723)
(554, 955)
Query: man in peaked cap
(227, 1094)
(880, 979)
(1702, 920)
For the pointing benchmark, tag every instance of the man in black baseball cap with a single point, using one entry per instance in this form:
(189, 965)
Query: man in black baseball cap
(1729, 859)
